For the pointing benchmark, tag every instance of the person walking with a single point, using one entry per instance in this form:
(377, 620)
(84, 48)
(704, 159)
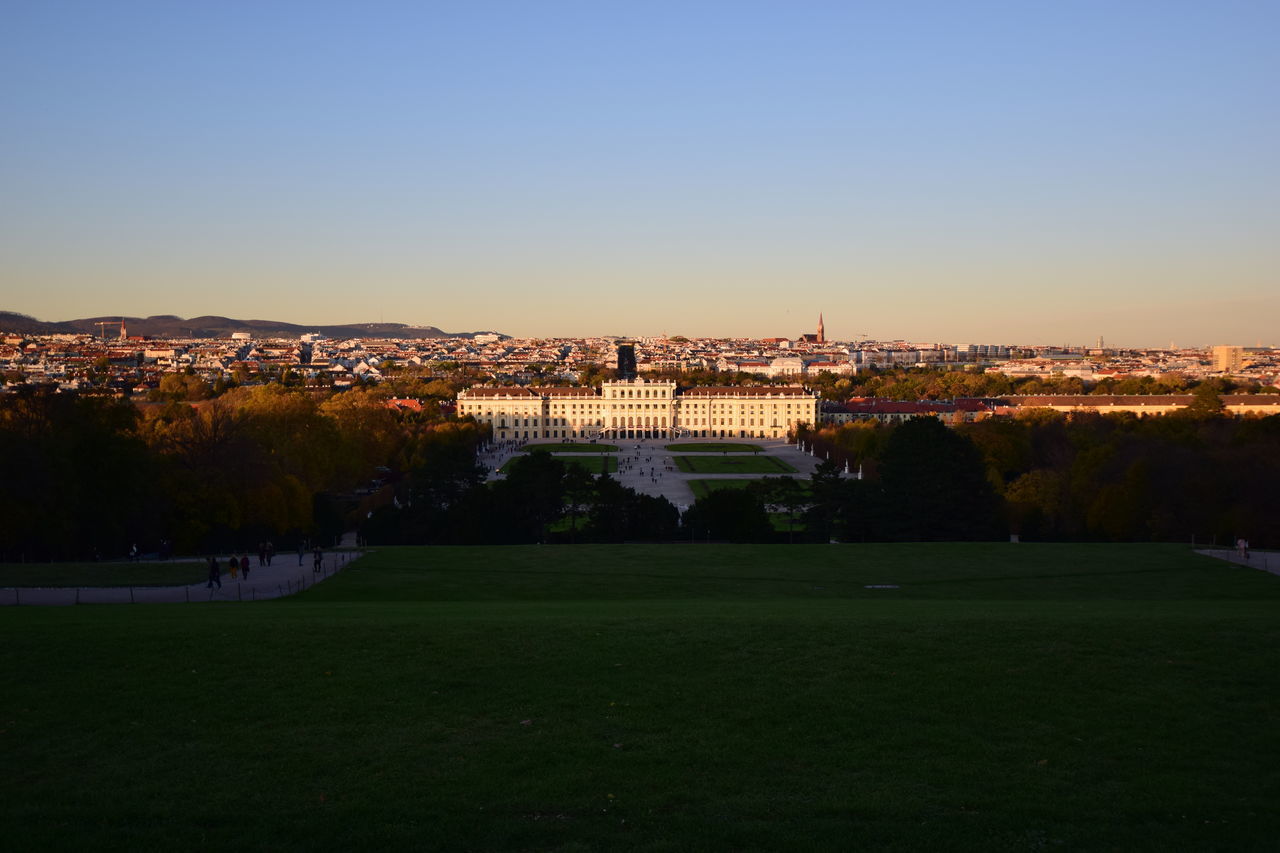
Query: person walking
(233, 566)
(271, 551)
(244, 565)
(318, 562)
(215, 573)
(302, 547)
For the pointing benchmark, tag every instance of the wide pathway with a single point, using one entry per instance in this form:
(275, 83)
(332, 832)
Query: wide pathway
(646, 465)
(1265, 561)
(283, 577)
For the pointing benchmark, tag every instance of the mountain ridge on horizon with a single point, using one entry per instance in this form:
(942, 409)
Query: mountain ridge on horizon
(214, 326)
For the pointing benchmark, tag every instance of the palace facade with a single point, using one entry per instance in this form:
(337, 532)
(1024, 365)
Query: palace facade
(638, 408)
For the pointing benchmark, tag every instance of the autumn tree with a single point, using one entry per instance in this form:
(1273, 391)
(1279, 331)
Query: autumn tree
(182, 387)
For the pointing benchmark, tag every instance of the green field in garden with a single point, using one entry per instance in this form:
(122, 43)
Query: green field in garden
(963, 697)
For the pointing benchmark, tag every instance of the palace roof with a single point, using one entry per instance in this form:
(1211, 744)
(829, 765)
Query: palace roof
(504, 391)
(747, 391)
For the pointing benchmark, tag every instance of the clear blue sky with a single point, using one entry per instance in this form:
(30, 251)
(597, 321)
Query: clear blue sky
(1032, 171)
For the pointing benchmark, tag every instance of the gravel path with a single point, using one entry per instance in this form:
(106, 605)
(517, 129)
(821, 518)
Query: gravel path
(647, 467)
(1265, 561)
(283, 577)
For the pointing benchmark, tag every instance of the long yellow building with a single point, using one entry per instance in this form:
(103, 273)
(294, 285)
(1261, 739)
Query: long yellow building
(638, 408)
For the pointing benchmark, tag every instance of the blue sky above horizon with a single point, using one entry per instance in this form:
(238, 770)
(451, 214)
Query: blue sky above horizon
(986, 171)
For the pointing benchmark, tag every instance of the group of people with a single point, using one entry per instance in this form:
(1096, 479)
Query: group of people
(628, 464)
(235, 565)
(491, 455)
(240, 565)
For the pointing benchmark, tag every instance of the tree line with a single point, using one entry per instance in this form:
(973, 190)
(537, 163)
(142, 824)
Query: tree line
(540, 499)
(927, 383)
(1192, 476)
(89, 476)
(932, 383)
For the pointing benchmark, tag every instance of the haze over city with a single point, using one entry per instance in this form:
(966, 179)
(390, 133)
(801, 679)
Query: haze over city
(930, 171)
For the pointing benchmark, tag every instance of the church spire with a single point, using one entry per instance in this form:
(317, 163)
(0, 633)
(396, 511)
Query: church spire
(822, 337)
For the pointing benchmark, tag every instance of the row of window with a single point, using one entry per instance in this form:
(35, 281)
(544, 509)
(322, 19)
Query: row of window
(693, 416)
(717, 407)
(655, 431)
(632, 393)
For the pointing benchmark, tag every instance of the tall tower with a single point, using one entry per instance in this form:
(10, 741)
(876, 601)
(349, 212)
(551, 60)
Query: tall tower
(626, 361)
(1228, 359)
(822, 335)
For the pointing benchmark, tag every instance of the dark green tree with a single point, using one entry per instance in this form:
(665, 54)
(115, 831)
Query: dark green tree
(829, 494)
(579, 487)
(787, 495)
(733, 515)
(936, 486)
(1205, 403)
(533, 494)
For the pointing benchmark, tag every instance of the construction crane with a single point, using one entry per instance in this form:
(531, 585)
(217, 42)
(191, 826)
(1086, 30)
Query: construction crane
(102, 324)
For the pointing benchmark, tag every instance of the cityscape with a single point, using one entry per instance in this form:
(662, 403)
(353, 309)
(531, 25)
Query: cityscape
(134, 364)
(686, 425)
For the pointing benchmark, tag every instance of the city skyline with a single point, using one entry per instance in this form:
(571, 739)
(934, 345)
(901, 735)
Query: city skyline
(379, 330)
(984, 172)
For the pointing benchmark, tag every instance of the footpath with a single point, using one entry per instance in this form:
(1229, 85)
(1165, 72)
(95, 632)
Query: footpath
(283, 577)
(646, 465)
(1265, 561)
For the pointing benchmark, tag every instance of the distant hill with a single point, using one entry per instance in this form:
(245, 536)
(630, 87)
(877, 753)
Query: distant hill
(170, 326)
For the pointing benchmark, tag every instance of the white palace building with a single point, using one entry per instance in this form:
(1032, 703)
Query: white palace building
(636, 408)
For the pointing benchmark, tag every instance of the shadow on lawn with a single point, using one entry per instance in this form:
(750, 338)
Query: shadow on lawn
(773, 579)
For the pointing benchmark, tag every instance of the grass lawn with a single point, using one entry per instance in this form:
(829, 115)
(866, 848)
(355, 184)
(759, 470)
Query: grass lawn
(572, 447)
(1004, 697)
(592, 465)
(783, 523)
(168, 573)
(732, 465)
(702, 488)
(715, 447)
